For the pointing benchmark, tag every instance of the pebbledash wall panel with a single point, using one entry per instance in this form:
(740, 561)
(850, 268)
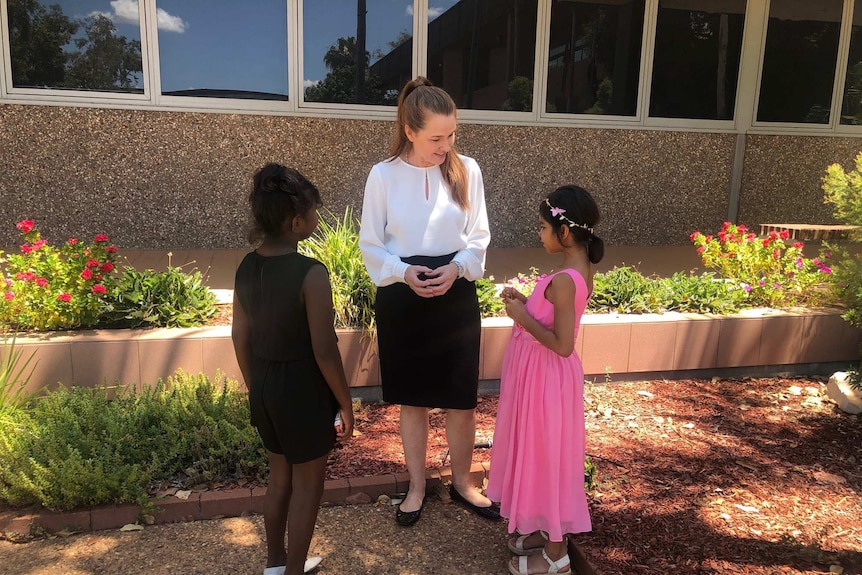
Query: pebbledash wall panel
(180, 180)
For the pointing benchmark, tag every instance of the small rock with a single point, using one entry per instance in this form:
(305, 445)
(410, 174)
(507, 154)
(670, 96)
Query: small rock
(383, 499)
(843, 394)
(838, 569)
(183, 494)
(132, 527)
(357, 498)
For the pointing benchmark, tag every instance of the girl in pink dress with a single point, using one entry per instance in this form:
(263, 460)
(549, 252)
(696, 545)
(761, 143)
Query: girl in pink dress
(537, 463)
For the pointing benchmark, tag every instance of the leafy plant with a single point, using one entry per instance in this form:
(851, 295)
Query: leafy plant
(78, 447)
(46, 288)
(844, 191)
(15, 373)
(490, 304)
(625, 290)
(772, 270)
(703, 294)
(336, 245)
(171, 298)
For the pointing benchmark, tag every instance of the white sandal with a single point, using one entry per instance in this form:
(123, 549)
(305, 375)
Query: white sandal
(310, 565)
(553, 566)
(518, 546)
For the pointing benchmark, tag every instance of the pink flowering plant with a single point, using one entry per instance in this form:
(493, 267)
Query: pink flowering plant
(49, 288)
(773, 270)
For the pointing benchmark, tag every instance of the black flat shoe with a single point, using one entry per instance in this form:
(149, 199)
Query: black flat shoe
(407, 518)
(491, 512)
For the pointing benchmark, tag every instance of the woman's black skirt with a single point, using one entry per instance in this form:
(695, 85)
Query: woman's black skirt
(429, 347)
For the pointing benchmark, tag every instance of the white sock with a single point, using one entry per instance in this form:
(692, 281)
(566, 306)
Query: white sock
(274, 570)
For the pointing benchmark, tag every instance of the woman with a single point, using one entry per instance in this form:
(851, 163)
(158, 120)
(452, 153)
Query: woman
(423, 238)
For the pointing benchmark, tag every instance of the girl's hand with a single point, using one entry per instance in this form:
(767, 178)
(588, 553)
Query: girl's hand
(511, 293)
(344, 424)
(421, 287)
(516, 309)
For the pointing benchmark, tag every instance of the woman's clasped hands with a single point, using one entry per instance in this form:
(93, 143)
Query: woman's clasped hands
(426, 282)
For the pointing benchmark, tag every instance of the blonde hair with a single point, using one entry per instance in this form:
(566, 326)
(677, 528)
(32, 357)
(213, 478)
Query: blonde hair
(419, 98)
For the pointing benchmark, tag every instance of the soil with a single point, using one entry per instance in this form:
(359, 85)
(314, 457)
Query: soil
(748, 476)
(722, 476)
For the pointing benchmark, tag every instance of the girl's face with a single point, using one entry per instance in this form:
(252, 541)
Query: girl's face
(550, 241)
(304, 225)
(432, 143)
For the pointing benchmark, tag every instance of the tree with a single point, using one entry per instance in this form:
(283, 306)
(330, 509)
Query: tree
(339, 85)
(37, 36)
(104, 60)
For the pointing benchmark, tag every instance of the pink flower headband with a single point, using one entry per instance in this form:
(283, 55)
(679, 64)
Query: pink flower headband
(558, 213)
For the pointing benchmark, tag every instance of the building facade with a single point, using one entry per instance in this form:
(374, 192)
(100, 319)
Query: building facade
(145, 119)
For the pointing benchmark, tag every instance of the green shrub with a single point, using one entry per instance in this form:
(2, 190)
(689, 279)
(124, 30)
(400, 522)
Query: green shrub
(490, 304)
(171, 298)
(336, 245)
(75, 447)
(49, 288)
(702, 294)
(625, 290)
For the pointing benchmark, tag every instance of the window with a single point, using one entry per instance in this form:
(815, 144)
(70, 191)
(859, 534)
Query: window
(336, 31)
(799, 61)
(223, 48)
(851, 109)
(594, 55)
(76, 45)
(696, 63)
(483, 52)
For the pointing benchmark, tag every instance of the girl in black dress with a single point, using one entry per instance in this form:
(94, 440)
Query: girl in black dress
(287, 351)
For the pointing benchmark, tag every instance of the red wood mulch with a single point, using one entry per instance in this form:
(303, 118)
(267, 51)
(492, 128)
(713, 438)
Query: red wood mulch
(753, 476)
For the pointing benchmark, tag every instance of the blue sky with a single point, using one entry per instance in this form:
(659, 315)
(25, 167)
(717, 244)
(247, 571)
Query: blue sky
(230, 44)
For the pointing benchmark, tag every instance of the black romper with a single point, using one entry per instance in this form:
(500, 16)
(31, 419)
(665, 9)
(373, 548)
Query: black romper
(291, 404)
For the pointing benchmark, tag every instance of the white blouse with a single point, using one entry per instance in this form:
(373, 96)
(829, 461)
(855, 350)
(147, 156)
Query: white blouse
(398, 221)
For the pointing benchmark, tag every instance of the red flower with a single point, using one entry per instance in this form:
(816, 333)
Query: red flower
(38, 244)
(741, 229)
(91, 263)
(775, 254)
(73, 241)
(42, 282)
(111, 249)
(26, 226)
(99, 288)
(693, 235)
(86, 274)
(100, 238)
(64, 297)
(9, 295)
(107, 266)
(701, 249)
(26, 248)
(784, 234)
(798, 245)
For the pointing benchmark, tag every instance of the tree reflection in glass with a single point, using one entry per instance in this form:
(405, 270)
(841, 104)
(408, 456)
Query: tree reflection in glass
(52, 49)
(370, 58)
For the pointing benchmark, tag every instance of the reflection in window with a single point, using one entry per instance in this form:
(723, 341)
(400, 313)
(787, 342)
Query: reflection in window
(799, 61)
(594, 57)
(482, 52)
(76, 45)
(851, 109)
(696, 64)
(223, 48)
(356, 51)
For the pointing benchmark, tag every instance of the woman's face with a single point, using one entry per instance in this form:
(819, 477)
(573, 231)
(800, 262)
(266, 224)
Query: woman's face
(432, 143)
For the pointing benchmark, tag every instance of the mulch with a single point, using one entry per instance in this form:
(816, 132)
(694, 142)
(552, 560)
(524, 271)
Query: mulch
(750, 476)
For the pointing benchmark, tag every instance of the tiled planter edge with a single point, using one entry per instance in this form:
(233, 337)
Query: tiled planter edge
(610, 344)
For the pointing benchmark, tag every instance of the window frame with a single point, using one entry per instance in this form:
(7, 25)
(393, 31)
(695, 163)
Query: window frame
(745, 109)
(58, 95)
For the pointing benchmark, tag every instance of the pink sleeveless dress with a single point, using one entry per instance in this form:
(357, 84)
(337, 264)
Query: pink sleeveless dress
(537, 458)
